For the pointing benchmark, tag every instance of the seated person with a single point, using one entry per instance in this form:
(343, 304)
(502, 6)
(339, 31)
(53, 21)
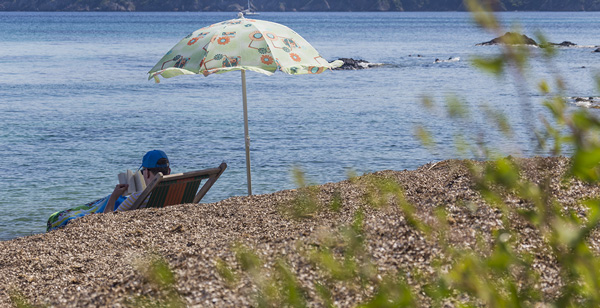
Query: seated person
(153, 162)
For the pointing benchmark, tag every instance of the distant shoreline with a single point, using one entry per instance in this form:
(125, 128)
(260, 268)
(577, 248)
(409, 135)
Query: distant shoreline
(290, 11)
(289, 6)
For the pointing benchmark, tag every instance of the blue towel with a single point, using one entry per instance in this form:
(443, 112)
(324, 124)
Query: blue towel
(60, 219)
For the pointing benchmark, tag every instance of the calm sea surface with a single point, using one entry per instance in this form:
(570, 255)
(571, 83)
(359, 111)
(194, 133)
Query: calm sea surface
(76, 107)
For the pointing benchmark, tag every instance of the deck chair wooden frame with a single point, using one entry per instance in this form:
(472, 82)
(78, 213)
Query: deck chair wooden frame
(181, 188)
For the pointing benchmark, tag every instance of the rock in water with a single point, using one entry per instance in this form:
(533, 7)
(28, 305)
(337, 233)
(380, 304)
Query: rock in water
(510, 38)
(352, 64)
(564, 44)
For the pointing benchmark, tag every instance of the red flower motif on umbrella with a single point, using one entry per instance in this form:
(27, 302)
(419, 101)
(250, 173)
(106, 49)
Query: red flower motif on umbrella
(295, 57)
(193, 41)
(266, 59)
(223, 40)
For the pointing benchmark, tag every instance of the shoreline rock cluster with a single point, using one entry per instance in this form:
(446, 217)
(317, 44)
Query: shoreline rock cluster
(513, 38)
(356, 64)
(585, 102)
(510, 37)
(95, 261)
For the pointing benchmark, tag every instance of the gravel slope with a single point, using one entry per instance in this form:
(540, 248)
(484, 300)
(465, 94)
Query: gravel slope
(95, 261)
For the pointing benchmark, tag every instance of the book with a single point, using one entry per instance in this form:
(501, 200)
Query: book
(134, 179)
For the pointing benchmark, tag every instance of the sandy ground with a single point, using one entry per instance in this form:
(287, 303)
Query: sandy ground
(96, 260)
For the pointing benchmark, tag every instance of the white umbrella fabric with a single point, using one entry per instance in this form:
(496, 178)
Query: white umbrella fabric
(242, 44)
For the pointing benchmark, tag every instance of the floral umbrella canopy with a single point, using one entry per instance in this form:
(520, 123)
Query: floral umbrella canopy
(242, 44)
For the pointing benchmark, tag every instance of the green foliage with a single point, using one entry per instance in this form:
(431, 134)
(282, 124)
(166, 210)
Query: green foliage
(379, 192)
(505, 277)
(292, 293)
(391, 293)
(497, 272)
(148, 302)
(456, 108)
(160, 274)
(19, 300)
(482, 14)
(494, 65)
(157, 272)
(344, 257)
(276, 286)
(247, 259)
(340, 256)
(336, 201)
(306, 202)
(499, 119)
(325, 295)
(586, 164)
(425, 137)
(548, 50)
(226, 272)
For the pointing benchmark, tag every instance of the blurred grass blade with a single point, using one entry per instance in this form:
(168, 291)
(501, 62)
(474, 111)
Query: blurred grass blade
(494, 66)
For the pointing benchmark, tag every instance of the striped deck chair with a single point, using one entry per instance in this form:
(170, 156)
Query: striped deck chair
(165, 190)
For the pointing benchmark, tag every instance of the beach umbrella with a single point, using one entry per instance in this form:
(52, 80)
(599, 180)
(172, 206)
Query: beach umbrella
(245, 45)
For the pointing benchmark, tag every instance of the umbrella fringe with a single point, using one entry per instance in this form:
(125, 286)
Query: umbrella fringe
(170, 72)
(306, 69)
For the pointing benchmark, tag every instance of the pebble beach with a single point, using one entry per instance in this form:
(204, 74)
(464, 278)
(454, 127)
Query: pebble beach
(98, 260)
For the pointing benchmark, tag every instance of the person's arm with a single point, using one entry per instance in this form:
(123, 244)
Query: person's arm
(128, 203)
(119, 190)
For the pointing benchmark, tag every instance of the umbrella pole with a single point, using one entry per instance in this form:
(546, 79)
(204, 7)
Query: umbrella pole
(247, 137)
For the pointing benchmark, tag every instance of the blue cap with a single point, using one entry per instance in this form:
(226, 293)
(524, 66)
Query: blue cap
(151, 159)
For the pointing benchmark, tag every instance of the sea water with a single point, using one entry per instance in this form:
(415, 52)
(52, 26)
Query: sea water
(76, 107)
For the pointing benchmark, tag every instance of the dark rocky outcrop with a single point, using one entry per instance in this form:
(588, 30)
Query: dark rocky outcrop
(511, 38)
(585, 102)
(564, 44)
(521, 39)
(353, 64)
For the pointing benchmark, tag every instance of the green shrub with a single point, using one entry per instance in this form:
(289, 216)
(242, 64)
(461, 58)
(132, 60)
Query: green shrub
(496, 273)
